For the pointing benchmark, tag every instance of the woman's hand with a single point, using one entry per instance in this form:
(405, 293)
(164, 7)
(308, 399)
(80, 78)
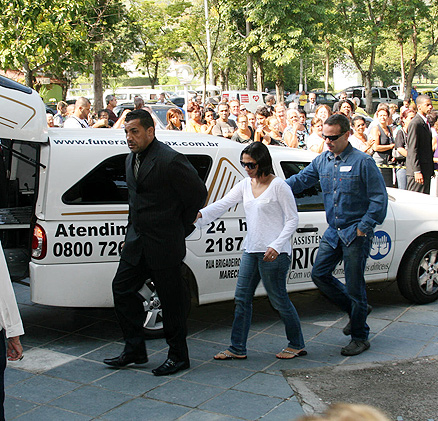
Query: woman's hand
(199, 215)
(270, 255)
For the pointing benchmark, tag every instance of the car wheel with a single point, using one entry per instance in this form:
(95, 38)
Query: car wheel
(153, 324)
(418, 274)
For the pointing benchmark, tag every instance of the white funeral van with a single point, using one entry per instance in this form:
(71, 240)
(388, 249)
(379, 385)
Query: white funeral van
(78, 215)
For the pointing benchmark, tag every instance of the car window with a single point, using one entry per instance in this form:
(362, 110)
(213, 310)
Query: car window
(358, 93)
(383, 93)
(310, 199)
(392, 94)
(106, 183)
(375, 93)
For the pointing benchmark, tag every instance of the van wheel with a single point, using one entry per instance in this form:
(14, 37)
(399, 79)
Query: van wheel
(153, 324)
(418, 274)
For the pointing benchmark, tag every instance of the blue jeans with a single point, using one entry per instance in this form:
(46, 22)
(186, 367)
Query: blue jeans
(400, 173)
(351, 297)
(273, 275)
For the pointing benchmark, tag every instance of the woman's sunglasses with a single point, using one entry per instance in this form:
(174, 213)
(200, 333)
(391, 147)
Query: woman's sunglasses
(250, 165)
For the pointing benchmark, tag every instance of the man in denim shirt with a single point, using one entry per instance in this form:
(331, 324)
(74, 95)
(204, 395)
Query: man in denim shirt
(355, 201)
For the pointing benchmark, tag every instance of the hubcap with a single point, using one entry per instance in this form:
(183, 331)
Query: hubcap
(427, 274)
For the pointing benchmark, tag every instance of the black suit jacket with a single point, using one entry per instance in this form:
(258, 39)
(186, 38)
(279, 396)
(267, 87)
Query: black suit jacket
(163, 203)
(420, 154)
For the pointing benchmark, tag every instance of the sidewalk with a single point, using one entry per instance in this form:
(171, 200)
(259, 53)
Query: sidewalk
(62, 376)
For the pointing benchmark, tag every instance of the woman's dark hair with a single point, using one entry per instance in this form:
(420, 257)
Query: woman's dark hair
(343, 101)
(432, 117)
(260, 153)
(357, 118)
(264, 111)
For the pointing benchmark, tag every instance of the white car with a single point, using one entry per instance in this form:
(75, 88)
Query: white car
(80, 210)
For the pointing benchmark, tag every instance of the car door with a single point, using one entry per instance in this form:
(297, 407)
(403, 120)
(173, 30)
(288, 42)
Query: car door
(312, 225)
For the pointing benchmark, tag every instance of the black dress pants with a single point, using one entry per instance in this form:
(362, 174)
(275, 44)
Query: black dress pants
(2, 373)
(412, 185)
(174, 296)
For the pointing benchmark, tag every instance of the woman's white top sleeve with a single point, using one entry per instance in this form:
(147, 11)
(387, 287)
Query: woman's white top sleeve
(10, 319)
(271, 218)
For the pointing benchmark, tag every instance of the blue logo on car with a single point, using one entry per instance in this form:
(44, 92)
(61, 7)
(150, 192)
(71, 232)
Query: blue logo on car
(381, 245)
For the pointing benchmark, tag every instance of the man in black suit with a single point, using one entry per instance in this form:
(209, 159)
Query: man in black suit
(165, 194)
(419, 161)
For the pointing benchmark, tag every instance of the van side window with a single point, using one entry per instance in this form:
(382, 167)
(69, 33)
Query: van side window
(106, 183)
(310, 199)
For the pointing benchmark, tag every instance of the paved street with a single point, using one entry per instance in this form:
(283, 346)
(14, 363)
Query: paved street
(62, 376)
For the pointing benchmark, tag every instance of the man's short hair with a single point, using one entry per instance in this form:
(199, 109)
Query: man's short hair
(269, 98)
(144, 116)
(421, 99)
(223, 104)
(339, 120)
(109, 98)
(82, 102)
(234, 100)
(264, 111)
(138, 102)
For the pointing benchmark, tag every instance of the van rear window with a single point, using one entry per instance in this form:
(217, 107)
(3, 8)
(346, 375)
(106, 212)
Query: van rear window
(106, 183)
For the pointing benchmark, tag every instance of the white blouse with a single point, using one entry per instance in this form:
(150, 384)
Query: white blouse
(10, 319)
(271, 218)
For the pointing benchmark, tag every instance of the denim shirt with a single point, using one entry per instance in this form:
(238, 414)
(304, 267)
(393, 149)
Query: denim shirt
(354, 192)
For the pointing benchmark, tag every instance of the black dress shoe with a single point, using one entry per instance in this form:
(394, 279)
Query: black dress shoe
(347, 329)
(170, 367)
(125, 359)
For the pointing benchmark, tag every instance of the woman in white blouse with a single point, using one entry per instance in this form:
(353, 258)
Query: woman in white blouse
(272, 218)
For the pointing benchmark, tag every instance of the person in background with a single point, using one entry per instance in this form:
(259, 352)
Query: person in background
(303, 119)
(162, 98)
(262, 114)
(210, 121)
(383, 144)
(270, 102)
(50, 122)
(323, 112)
(234, 109)
(224, 127)
(252, 121)
(273, 136)
(111, 103)
(359, 139)
(346, 107)
(11, 327)
(401, 146)
(310, 107)
(336, 105)
(138, 103)
(195, 123)
(243, 134)
(81, 116)
(315, 142)
(174, 118)
(303, 100)
(353, 209)
(243, 109)
(272, 218)
(295, 134)
(280, 114)
(103, 117)
(61, 115)
(70, 111)
(393, 115)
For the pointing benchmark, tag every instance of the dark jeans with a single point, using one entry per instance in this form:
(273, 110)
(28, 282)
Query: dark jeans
(351, 297)
(174, 296)
(2, 373)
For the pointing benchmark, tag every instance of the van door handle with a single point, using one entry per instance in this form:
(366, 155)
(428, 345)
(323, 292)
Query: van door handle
(308, 229)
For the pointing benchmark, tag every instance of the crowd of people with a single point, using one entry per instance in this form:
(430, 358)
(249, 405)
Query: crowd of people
(384, 137)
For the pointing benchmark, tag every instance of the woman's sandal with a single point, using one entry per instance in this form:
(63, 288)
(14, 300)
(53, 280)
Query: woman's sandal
(289, 354)
(227, 355)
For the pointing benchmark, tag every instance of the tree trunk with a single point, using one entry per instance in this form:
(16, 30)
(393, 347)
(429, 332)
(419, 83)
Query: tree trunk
(249, 66)
(366, 78)
(279, 84)
(260, 74)
(97, 82)
(28, 74)
(222, 80)
(402, 71)
(327, 67)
